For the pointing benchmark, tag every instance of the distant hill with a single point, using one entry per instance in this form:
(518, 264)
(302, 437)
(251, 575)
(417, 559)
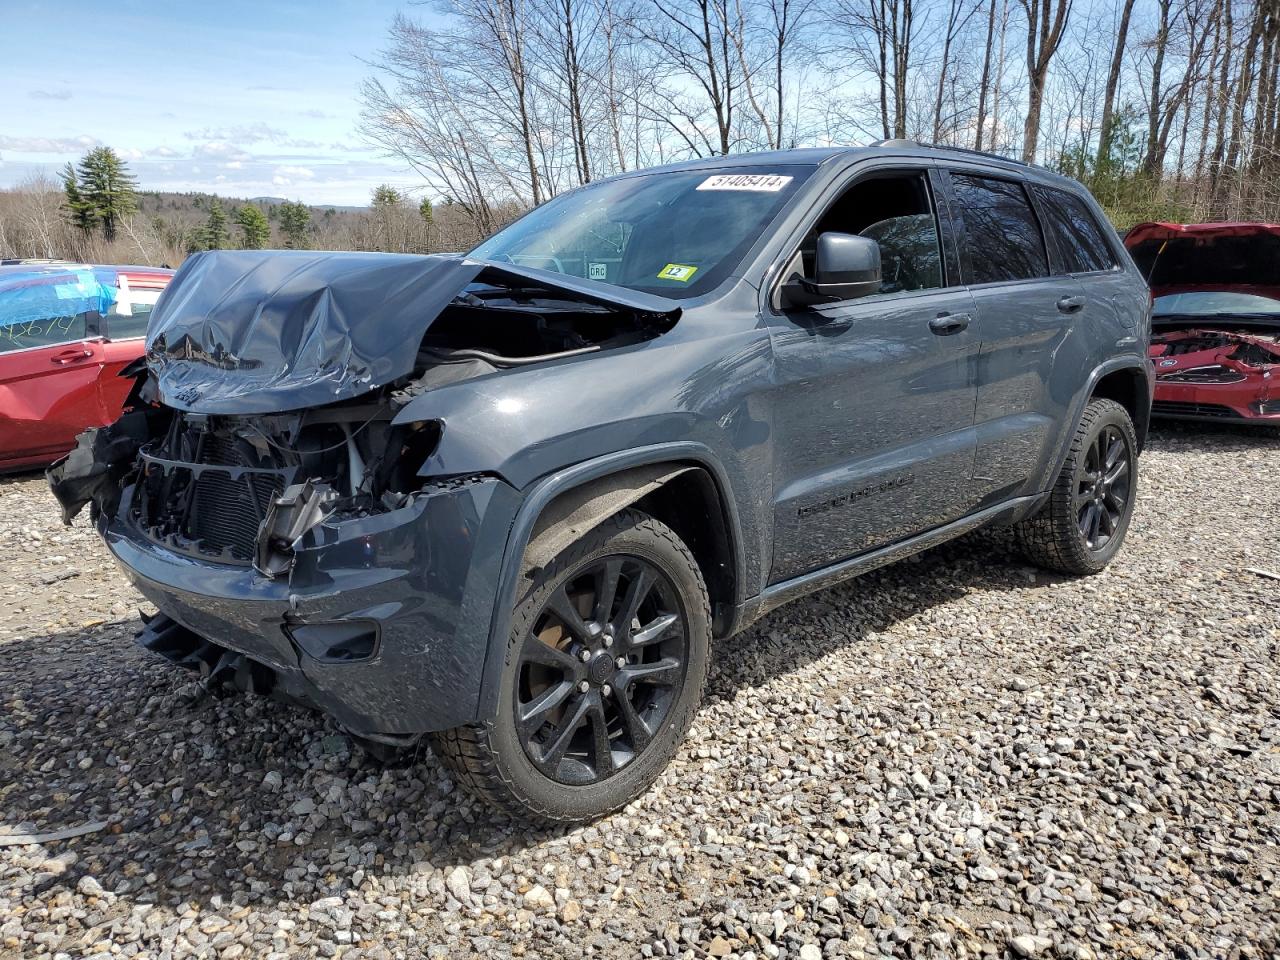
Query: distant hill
(276, 201)
(164, 202)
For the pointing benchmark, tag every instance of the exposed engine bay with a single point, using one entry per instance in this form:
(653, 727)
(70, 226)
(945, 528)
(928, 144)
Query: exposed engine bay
(1211, 355)
(1216, 373)
(221, 454)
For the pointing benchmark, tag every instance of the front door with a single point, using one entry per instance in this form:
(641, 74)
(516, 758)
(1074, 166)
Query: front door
(875, 398)
(49, 390)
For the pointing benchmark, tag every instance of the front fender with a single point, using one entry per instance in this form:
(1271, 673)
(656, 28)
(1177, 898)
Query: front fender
(541, 495)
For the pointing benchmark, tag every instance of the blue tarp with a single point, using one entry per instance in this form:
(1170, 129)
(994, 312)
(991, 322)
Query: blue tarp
(34, 293)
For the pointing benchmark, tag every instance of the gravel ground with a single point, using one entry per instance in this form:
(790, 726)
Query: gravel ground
(958, 756)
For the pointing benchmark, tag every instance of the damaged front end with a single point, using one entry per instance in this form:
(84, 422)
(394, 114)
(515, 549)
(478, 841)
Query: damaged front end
(260, 491)
(1216, 374)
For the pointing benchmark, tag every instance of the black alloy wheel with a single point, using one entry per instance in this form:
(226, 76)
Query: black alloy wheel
(1082, 524)
(599, 670)
(1103, 487)
(605, 664)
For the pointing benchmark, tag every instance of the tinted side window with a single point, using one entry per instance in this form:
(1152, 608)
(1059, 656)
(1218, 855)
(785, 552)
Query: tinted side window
(896, 211)
(1002, 234)
(1081, 243)
(129, 314)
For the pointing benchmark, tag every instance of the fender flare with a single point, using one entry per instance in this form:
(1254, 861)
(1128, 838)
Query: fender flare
(1114, 365)
(639, 471)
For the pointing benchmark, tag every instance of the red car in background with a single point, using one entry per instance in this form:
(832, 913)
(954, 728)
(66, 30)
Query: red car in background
(1215, 326)
(66, 331)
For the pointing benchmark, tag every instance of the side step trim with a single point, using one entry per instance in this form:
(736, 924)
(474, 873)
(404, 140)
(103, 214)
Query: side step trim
(779, 593)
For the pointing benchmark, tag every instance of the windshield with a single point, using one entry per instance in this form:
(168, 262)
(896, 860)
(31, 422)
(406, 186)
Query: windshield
(677, 234)
(1213, 303)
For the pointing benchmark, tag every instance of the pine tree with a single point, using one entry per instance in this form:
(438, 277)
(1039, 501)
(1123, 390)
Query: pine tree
(426, 211)
(255, 230)
(106, 189)
(295, 221)
(385, 195)
(77, 206)
(216, 236)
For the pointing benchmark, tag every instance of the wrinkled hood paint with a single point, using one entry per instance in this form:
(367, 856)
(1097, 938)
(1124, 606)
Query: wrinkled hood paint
(249, 331)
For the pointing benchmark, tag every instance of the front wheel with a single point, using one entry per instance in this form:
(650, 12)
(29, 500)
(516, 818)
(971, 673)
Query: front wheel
(605, 666)
(1083, 523)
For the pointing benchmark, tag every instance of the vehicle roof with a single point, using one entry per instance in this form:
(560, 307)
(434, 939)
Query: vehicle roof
(13, 275)
(906, 149)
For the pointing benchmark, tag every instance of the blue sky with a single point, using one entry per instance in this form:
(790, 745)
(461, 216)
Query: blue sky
(223, 96)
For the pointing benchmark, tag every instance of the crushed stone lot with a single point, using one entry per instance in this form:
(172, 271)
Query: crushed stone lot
(957, 756)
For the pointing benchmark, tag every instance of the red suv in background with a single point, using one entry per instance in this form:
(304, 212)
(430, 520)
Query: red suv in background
(66, 331)
(1215, 324)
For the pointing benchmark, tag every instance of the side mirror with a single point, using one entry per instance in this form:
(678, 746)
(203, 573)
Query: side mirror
(846, 266)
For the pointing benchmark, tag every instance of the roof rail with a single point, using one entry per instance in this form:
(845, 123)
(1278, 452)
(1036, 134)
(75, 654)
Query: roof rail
(905, 142)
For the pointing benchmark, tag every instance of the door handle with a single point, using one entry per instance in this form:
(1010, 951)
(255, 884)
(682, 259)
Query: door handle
(945, 324)
(70, 356)
(1071, 304)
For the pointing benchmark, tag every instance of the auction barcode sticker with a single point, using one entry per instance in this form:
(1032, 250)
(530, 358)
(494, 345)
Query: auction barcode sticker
(758, 182)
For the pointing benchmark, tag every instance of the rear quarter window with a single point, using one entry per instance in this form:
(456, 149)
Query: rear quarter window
(1002, 234)
(1081, 244)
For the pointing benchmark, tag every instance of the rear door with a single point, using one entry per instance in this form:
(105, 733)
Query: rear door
(1028, 316)
(49, 371)
(125, 329)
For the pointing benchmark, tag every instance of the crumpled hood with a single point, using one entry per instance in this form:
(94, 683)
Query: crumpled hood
(253, 331)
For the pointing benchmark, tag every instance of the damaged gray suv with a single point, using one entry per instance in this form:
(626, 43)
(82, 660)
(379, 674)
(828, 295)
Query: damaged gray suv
(507, 500)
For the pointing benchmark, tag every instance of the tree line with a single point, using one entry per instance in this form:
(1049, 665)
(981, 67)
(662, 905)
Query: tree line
(96, 213)
(1164, 107)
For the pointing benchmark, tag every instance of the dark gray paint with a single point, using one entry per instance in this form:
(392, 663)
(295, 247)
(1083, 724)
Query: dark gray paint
(783, 409)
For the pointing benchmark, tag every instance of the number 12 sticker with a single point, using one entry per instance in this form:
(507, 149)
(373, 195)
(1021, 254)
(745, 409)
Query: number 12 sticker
(677, 271)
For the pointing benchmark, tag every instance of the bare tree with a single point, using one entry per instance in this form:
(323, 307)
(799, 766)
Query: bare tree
(1046, 20)
(1113, 81)
(958, 14)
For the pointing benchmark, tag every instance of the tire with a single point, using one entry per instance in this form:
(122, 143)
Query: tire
(522, 768)
(1064, 535)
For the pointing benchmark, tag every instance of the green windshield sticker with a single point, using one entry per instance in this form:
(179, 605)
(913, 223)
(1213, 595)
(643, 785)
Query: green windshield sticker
(677, 271)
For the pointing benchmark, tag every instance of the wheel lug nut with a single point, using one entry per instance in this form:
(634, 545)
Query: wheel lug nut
(606, 690)
(584, 656)
(584, 686)
(608, 640)
(621, 662)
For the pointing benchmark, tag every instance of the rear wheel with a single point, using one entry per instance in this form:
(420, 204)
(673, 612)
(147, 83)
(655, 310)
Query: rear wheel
(1084, 522)
(605, 665)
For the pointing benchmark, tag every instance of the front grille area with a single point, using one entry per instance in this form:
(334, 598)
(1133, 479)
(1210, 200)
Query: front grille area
(1178, 408)
(1210, 374)
(213, 508)
(226, 511)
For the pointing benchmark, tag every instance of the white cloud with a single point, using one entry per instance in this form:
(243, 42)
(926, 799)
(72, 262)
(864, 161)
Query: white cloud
(295, 173)
(63, 94)
(239, 134)
(48, 144)
(219, 150)
(234, 165)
